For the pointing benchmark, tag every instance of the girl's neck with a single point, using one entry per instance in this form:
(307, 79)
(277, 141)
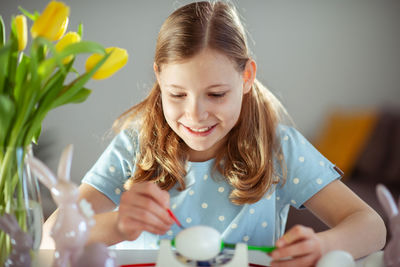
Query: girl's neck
(201, 156)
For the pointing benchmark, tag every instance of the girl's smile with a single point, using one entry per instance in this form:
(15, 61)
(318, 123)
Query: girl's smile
(203, 131)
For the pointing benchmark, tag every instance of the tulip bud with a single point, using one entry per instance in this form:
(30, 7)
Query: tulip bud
(69, 38)
(53, 21)
(117, 59)
(22, 31)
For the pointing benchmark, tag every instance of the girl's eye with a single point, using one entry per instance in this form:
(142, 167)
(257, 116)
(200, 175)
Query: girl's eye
(177, 95)
(217, 94)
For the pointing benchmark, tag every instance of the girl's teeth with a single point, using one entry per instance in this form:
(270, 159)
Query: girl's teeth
(202, 130)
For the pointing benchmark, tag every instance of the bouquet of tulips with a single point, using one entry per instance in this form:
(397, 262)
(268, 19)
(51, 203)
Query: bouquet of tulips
(35, 82)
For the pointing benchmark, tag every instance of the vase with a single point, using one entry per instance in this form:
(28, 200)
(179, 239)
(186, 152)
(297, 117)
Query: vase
(19, 197)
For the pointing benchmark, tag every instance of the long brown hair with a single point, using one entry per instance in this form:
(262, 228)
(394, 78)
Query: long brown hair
(246, 161)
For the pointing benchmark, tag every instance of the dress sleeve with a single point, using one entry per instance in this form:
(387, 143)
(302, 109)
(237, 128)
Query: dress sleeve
(115, 166)
(308, 171)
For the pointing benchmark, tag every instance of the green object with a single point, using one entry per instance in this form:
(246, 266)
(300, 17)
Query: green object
(227, 245)
(261, 248)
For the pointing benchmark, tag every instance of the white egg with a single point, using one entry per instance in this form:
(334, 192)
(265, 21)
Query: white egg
(198, 242)
(336, 258)
(374, 260)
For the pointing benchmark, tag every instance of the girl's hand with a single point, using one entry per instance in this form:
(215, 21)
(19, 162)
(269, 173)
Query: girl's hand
(300, 246)
(143, 208)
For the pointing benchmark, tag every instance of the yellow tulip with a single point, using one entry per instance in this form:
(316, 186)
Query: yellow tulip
(22, 31)
(53, 21)
(69, 38)
(117, 59)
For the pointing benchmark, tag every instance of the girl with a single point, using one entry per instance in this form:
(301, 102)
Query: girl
(209, 143)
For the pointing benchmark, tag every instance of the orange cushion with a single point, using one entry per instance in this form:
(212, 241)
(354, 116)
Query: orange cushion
(344, 135)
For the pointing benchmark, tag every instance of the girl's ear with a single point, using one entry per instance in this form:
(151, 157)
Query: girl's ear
(249, 75)
(156, 72)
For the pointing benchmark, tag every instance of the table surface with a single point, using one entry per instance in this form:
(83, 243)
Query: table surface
(44, 257)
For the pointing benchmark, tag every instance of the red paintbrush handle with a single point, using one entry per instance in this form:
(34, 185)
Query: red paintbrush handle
(174, 218)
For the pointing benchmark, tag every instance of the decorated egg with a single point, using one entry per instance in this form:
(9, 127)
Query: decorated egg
(198, 243)
(336, 258)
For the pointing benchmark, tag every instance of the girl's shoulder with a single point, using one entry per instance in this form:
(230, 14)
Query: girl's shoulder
(126, 139)
(290, 135)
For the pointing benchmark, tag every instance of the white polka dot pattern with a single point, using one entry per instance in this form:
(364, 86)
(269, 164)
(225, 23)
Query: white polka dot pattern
(117, 191)
(204, 205)
(296, 180)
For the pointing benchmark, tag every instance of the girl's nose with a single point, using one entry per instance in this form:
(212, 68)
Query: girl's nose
(196, 110)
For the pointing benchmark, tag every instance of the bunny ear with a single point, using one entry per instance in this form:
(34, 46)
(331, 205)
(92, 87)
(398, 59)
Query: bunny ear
(44, 174)
(64, 166)
(8, 223)
(386, 200)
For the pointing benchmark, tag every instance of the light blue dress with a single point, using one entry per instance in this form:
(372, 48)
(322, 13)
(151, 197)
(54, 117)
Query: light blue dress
(205, 199)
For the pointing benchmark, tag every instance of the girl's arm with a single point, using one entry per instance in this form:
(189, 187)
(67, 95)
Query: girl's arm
(141, 209)
(355, 228)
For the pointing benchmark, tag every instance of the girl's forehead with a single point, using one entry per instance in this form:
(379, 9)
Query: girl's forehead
(207, 64)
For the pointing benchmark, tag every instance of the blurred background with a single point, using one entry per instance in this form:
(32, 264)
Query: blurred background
(335, 65)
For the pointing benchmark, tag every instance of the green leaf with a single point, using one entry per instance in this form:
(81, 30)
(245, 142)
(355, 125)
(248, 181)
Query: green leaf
(79, 97)
(13, 55)
(82, 47)
(78, 83)
(28, 14)
(2, 32)
(7, 112)
(80, 30)
(35, 137)
(54, 83)
(4, 55)
(21, 75)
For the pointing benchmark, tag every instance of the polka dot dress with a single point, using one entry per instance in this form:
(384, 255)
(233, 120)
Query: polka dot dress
(205, 201)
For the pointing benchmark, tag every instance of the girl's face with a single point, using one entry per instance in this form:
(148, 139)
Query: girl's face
(202, 99)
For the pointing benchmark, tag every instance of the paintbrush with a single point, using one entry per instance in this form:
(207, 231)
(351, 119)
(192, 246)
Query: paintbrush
(175, 219)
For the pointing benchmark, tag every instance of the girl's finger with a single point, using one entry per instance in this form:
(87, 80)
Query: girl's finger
(295, 234)
(148, 204)
(133, 228)
(146, 213)
(306, 260)
(152, 190)
(301, 248)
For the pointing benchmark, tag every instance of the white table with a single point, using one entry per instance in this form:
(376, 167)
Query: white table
(44, 257)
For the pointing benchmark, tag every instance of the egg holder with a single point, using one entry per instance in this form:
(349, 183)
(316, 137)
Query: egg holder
(167, 257)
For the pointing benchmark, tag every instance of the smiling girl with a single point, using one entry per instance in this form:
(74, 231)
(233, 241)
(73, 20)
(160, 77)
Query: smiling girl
(209, 143)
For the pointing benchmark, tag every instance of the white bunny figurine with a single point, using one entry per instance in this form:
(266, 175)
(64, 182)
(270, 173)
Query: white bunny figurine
(391, 254)
(71, 228)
